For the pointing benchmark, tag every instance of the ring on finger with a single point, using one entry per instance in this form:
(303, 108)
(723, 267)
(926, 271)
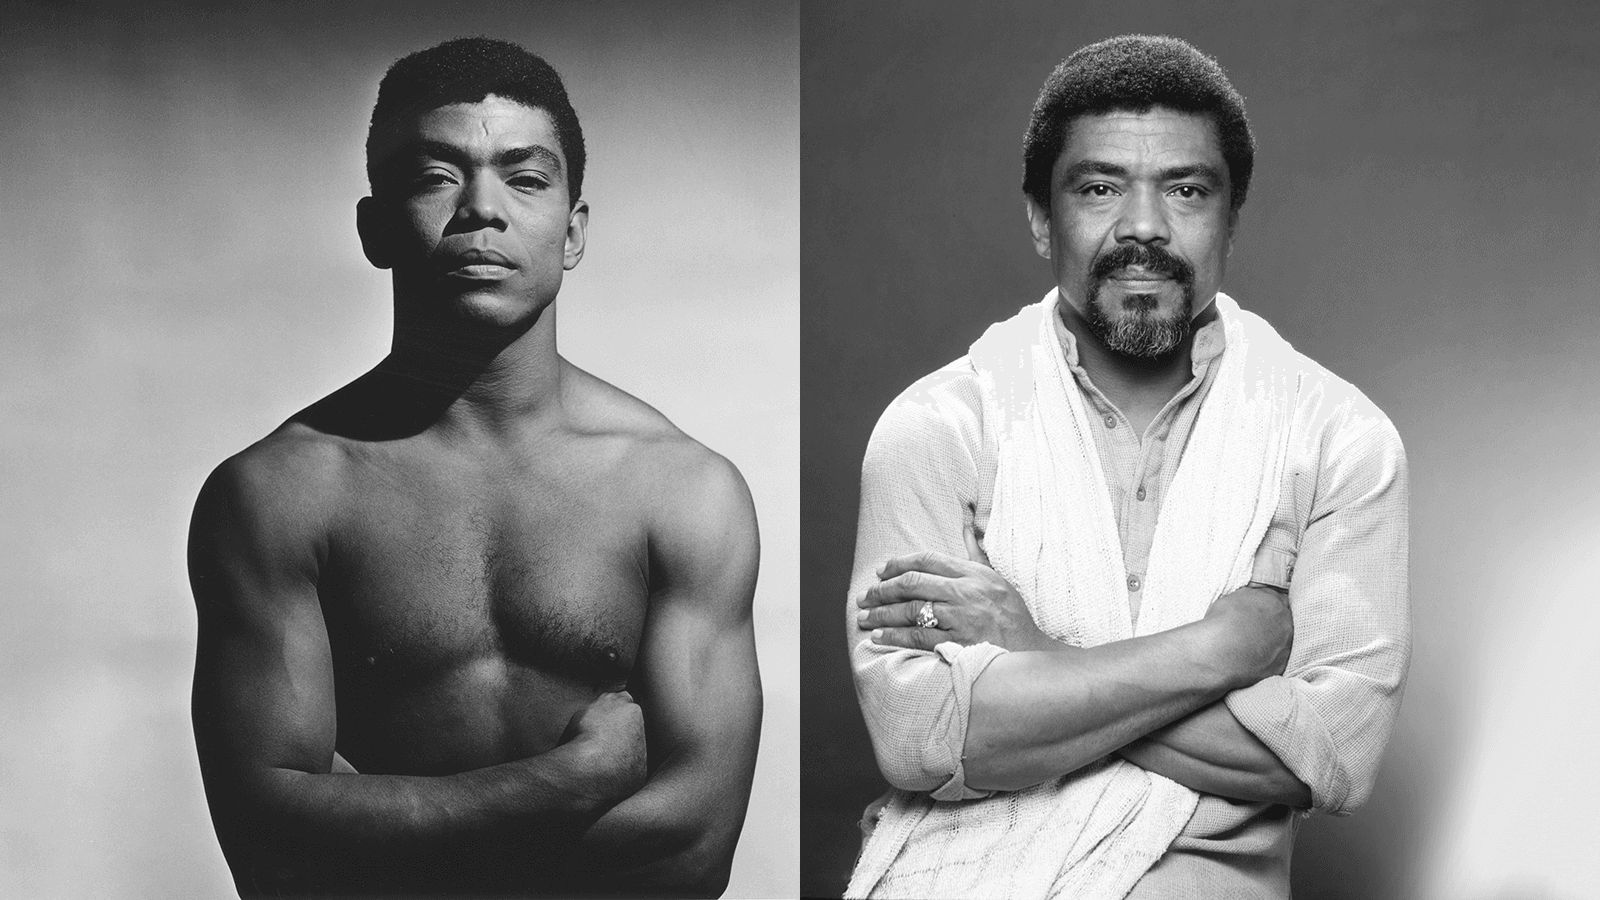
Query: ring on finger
(925, 616)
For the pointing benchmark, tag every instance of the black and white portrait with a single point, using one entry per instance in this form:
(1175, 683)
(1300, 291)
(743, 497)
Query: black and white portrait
(1419, 221)
(226, 243)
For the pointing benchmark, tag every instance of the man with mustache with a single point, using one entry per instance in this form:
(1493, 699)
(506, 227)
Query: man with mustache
(1129, 595)
(478, 623)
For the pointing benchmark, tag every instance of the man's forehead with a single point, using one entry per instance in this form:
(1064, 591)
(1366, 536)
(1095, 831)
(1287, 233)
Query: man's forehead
(1158, 131)
(492, 124)
(490, 119)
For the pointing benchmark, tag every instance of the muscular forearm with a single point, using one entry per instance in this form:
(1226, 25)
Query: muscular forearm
(1209, 751)
(665, 841)
(286, 829)
(1040, 714)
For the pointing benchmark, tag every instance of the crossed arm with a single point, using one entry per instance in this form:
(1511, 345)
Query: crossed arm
(1210, 751)
(265, 725)
(1046, 708)
(1195, 704)
(290, 820)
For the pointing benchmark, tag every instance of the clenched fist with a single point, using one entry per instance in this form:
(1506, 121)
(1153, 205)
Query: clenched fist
(607, 739)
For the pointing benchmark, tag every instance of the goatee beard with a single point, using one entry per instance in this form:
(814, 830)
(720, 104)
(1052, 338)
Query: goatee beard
(1141, 331)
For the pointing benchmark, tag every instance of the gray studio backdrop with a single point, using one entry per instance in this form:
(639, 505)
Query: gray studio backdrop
(1424, 220)
(181, 273)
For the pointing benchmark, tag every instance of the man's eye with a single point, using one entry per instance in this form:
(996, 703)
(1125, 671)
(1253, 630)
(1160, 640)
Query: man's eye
(1098, 189)
(527, 182)
(1188, 191)
(432, 178)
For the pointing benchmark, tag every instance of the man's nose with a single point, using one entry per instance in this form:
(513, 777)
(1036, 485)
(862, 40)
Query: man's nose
(1144, 218)
(481, 204)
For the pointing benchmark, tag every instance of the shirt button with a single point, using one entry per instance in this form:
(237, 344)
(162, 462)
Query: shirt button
(1111, 421)
(1133, 582)
(1140, 494)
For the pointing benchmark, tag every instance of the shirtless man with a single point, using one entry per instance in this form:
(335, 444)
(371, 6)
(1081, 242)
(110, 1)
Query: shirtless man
(455, 575)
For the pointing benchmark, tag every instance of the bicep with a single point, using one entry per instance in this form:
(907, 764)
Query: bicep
(263, 689)
(919, 485)
(1328, 717)
(1349, 588)
(697, 678)
(919, 492)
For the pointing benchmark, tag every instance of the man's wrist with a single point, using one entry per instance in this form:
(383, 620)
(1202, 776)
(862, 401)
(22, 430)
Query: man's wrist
(552, 786)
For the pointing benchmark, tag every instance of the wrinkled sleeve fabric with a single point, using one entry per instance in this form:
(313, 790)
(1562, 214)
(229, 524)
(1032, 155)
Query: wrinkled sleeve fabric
(1328, 717)
(919, 484)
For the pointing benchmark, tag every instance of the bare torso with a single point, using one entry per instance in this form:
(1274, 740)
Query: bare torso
(479, 593)
(474, 605)
(428, 593)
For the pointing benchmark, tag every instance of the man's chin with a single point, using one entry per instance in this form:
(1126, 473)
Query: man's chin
(1143, 337)
(492, 310)
(1144, 324)
(1140, 334)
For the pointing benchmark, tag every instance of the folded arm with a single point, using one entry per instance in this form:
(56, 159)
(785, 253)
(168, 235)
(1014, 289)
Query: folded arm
(1050, 710)
(698, 683)
(1041, 713)
(265, 724)
(1313, 736)
(1211, 752)
(1329, 715)
(958, 722)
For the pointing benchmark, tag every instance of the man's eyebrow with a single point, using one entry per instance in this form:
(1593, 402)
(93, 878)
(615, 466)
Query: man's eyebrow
(1201, 171)
(1085, 167)
(455, 155)
(533, 151)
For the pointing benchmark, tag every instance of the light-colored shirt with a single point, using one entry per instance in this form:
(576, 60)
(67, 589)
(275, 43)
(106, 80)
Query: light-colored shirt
(1337, 541)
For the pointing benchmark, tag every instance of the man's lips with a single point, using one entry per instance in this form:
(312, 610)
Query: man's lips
(1138, 275)
(478, 265)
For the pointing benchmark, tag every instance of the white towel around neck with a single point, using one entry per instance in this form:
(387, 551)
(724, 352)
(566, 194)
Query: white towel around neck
(1092, 834)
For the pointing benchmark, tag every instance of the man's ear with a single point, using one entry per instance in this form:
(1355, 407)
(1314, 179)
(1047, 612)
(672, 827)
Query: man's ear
(1039, 227)
(577, 235)
(372, 223)
(1233, 226)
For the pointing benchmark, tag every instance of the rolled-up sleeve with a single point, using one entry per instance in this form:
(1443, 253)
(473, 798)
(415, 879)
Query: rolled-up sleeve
(918, 488)
(1328, 717)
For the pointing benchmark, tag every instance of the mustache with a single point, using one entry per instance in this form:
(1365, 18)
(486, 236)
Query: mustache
(1143, 256)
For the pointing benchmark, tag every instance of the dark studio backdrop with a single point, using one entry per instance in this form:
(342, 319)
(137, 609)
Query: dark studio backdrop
(180, 272)
(1424, 220)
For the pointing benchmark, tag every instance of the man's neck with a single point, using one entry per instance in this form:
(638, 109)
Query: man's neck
(1138, 386)
(479, 380)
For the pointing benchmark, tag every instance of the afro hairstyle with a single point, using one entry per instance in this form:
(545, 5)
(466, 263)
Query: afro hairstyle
(466, 70)
(1135, 72)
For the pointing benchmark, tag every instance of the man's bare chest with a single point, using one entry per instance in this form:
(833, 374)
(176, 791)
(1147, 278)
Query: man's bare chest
(428, 579)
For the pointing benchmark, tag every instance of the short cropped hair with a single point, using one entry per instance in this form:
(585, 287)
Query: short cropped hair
(1135, 72)
(466, 70)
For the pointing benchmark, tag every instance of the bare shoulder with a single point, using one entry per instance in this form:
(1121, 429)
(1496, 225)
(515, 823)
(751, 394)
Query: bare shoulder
(269, 502)
(669, 465)
(699, 505)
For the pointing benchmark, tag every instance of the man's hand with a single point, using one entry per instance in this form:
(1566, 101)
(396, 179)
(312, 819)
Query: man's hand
(608, 742)
(1257, 630)
(971, 602)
